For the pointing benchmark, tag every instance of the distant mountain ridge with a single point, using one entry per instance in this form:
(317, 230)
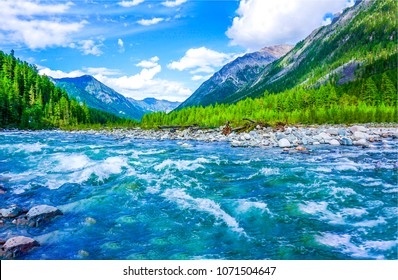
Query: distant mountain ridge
(99, 96)
(235, 75)
(151, 104)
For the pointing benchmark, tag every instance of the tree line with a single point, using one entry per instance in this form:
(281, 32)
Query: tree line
(31, 101)
(372, 99)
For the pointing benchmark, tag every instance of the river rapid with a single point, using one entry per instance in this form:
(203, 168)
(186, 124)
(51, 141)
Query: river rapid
(126, 198)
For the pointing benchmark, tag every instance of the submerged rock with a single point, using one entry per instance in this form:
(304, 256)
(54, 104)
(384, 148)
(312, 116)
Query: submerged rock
(18, 245)
(42, 213)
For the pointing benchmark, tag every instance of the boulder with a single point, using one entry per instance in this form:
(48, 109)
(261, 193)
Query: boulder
(284, 143)
(18, 245)
(359, 128)
(334, 142)
(361, 142)
(333, 131)
(360, 135)
(346, 141)
(11, 212)
(42, 213)
(342, 132)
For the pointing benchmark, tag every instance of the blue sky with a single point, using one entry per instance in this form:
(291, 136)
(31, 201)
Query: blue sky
(146, 48)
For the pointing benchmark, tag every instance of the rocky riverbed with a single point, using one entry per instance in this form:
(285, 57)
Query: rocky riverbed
(286, 137)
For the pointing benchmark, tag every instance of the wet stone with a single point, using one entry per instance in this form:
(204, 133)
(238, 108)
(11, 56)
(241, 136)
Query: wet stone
(42, 213)
(11, 212)
(16, 246)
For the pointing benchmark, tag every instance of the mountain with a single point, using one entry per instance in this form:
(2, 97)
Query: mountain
(234, 76)
(97, 95)
(151, 104)
(358, 43)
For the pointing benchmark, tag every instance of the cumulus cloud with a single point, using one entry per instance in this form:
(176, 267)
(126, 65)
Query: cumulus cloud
(172, 4)
(201, 60)
(148, 63)
(128, 4)
(35, 24)
(147, 22)
(261, 23)
(57, 74)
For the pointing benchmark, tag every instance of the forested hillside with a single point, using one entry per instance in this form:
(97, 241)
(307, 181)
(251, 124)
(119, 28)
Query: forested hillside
(366, 100)
(29, 100)
(342, 73)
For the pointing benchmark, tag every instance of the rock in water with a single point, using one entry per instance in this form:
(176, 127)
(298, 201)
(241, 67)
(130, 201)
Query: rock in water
(42, 213)
(11, 212)
(284, 143)
(16, 246)
(346, 141)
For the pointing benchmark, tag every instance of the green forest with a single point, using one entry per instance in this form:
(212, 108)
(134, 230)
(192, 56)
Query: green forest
(372, 99)
(31, 101)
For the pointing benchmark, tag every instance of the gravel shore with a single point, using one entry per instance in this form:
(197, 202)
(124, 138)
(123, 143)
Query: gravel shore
(287, 137)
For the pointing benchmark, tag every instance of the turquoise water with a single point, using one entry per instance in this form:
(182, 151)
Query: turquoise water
(141, 199)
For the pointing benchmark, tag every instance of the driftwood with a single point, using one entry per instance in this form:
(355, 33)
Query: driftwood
(252, 124)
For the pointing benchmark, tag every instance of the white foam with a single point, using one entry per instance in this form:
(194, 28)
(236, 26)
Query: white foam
(182, 164)
(270, 171)
(356, 212)
(370, 223)
(322, 169)
(380, 245)
(245, 205)
(30, 148)
(320, 209)
(186, 201)
(337, 192)
(71, 162)
(78, 168)
(343, 242)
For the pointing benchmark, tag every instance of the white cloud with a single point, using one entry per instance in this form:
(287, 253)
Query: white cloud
(120, 43)
(172, 4)
(88, 47)
(147, 22)
(57, 74)
(35, 24)
(201, 60)
(263, 23)
(128, 4)
(148, 63)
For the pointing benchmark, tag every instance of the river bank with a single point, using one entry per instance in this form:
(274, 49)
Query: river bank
(286, 137)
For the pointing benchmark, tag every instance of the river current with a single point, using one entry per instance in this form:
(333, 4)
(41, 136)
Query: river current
(146, 199)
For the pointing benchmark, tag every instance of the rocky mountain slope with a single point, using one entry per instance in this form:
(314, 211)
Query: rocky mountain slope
(234, 76)
(97, 95)
(358, 42)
